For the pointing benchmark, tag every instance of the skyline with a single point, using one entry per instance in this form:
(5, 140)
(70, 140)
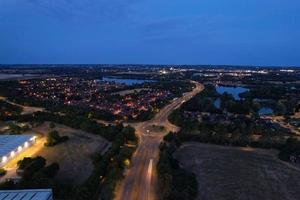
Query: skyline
(157, 32)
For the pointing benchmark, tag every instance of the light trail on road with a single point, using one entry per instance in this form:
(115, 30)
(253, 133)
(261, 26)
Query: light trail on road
(140, 181)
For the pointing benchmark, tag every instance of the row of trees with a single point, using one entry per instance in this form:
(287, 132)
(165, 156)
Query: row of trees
(205, 102)
(175, 182)
(77, 122)
(290, 151)
(34, 174)
(108, 169)
(283, 99)
(8, 110)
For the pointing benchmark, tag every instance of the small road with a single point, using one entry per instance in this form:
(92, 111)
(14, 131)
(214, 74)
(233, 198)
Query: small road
(280, 120)
(140, 178)
(26, 109)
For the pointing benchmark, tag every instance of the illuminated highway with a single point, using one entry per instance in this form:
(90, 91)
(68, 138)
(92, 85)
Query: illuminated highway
(140, 179)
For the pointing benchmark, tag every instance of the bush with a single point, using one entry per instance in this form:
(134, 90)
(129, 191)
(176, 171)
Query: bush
(54, 138)
(2, 172)
(176, 183)
(290, 151)
(52, 125)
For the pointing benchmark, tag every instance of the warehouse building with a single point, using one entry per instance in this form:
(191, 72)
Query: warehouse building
(12, 145)
(36, 194)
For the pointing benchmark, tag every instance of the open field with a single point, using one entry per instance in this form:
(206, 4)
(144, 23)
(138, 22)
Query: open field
(73, 156)
(239, 173)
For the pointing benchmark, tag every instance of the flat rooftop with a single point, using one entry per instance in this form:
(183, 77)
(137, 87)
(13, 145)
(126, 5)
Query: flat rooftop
(8, 143)
(35, 194)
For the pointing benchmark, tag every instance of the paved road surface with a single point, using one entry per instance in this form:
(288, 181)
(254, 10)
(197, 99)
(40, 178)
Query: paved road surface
(140, 179)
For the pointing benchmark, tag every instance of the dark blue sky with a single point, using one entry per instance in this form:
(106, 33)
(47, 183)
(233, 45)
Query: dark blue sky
(246, 32)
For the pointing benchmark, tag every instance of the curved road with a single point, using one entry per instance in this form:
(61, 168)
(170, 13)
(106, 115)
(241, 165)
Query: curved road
(140, 179)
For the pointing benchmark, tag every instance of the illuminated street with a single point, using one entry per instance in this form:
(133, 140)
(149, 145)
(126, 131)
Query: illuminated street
(140, 180)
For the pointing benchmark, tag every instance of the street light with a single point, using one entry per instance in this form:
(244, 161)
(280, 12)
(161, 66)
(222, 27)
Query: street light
(4, 159)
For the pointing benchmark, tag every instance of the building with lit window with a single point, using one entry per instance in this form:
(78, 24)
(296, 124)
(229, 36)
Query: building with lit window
(12, 145)
(35, 194)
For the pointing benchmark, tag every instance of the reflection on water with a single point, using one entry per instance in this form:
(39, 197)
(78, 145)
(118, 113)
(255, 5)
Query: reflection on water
(265, 111)
(234, 91)
(217, 103)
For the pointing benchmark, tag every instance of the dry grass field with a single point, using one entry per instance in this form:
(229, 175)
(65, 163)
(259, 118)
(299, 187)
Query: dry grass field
(227, 173)
(73, 156)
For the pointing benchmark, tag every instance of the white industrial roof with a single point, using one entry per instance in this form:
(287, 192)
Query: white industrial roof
(36, 194)
(9, 143)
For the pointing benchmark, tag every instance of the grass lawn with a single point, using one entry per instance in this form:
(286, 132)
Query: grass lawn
(227, 173)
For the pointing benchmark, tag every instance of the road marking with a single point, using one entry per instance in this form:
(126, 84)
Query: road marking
(150, 167)
(149, 175)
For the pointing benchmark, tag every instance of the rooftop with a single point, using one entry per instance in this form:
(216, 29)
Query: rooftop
(36, 194)
(8, 143)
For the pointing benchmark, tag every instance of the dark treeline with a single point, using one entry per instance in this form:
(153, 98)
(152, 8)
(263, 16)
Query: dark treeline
(175, 183)
(77, 122)
(234, 123)
(283, 99)
(35, 174)
(204, 102)
(290, 151)
(108, 169)
(8, 109)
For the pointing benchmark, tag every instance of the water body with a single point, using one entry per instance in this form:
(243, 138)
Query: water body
(265, 111)
(125, 81)
(14, 76)
(234, 91)
(217, 103)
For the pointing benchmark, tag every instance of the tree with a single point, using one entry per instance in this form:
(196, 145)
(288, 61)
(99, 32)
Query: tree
(51, 170)
(54, 138)
(2, 172)
(15, 129)
(31, 166)
(290, 148)
(280, 108)
(52, 125)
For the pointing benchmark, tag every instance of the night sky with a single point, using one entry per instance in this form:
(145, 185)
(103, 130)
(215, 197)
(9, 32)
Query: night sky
(239, 32)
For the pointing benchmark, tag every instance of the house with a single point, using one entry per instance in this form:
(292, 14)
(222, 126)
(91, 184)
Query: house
(34, 194)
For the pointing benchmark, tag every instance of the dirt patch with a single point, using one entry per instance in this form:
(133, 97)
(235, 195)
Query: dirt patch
(239, 173)
(73, 156)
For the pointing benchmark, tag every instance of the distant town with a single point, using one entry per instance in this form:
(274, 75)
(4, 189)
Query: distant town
(149, 132)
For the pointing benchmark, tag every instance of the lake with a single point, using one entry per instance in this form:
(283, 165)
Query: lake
(265, 111)
(234, 91)
(14, 76)
(125, 81)
(217, 103)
